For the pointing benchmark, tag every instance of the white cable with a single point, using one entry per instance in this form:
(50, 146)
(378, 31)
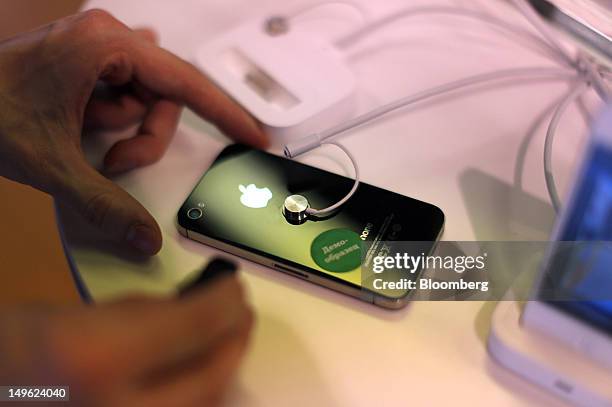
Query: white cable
(587, 71)
(595, 77)
(531, 15)
(582, 64)
(349, 39)
(332, 208)
(575, 92)
(313, 141)
(436, 91)
(308, 143)
(313, 6)
(551, 46)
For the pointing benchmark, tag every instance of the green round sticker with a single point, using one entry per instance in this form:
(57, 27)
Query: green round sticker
(337, 250)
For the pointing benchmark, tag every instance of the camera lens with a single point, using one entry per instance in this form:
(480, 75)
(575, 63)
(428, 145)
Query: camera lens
(194, 213)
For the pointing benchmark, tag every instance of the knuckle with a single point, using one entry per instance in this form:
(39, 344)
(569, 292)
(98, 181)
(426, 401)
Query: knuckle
(118, 65)
(96, 23)
(98, 16)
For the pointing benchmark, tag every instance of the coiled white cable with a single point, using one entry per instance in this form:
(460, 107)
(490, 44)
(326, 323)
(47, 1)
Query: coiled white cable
(330, 209)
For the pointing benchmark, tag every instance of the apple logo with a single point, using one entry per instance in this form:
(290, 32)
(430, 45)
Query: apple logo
(253, 197)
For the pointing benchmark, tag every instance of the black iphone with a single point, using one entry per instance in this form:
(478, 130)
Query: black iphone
(237, 207)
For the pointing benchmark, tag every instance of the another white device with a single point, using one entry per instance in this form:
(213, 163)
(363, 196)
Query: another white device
(268, 69)
(588, 216)
(563, 339)
(545, 361)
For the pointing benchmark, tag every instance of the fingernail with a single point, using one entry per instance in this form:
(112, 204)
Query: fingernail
(142, 238)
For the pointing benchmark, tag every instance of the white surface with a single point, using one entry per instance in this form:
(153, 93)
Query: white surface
(315, 347)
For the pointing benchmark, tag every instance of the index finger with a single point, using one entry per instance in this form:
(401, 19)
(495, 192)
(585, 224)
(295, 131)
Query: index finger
(171, 77)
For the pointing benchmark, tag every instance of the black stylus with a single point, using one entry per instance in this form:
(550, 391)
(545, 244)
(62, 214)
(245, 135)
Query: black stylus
(217, 268)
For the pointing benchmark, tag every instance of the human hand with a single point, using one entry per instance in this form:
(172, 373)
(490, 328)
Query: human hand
(49, 91)
(135, 352)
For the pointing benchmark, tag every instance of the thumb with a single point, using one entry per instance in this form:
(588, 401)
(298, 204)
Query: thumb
(110, 209)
